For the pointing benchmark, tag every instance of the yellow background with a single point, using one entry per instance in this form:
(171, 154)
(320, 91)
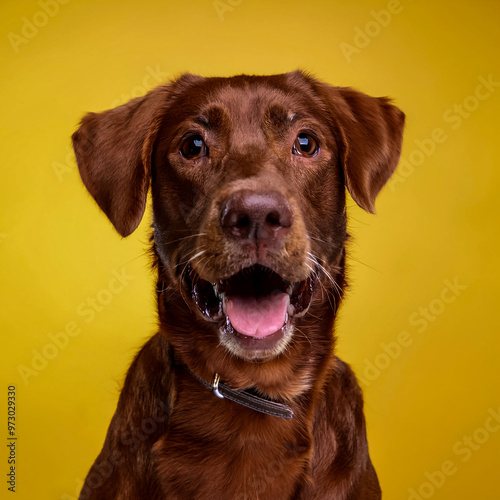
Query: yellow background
(436, 223)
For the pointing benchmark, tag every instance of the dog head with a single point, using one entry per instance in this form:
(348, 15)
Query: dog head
(248, 178)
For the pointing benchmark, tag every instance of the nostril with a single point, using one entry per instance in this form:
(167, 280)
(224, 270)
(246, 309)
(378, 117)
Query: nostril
(273, 219)
(242, 222)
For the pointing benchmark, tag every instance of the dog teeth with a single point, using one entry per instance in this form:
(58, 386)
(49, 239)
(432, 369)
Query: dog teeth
(289, 289)
(220, 295)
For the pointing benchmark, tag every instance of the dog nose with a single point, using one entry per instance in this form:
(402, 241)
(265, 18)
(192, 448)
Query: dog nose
(257, 217)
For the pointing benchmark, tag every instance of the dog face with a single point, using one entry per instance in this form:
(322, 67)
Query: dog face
(248, 178)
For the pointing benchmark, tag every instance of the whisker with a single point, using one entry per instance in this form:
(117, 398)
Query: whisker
(185, 238)
(350, 257)
(140, 256)
(317, 239)
(180, 285)
(358, 220)
(197, 255)
(324, 291)
(202, 263)
(336, 287)
(330, 244)
(184, 269)
(296, 329)
(183, 272)
(201, 252)
(314, 259)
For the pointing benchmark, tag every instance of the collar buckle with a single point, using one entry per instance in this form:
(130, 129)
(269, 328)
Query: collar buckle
(247, 398)
(215, 386)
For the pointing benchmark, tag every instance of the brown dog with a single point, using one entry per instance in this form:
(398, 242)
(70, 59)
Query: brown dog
(240, 395)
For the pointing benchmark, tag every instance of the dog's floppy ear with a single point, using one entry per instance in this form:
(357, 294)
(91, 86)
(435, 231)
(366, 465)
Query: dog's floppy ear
(113, 153)
(371, 134)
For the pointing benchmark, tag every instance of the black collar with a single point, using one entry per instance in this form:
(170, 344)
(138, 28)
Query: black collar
(247, 398)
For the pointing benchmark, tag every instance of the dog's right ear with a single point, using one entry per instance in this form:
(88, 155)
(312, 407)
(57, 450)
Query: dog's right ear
(113, 153)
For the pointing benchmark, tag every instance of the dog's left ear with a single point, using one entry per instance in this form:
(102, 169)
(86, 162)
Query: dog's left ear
(371, 136)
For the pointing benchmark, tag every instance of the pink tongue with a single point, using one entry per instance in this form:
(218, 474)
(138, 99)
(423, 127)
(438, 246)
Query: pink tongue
(258, 316)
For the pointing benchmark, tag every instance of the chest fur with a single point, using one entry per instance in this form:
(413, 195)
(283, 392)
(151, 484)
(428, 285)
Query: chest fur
(237, 453)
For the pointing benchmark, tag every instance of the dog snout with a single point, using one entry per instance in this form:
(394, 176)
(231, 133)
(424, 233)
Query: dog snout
(256, 217)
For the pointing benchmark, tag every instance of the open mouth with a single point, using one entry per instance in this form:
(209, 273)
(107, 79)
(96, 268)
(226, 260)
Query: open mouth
(254, 303)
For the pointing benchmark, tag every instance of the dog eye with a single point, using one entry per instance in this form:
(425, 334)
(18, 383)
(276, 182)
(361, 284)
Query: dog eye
(194, 147)
(305, 145)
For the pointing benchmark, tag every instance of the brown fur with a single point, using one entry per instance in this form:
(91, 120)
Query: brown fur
(170, 436)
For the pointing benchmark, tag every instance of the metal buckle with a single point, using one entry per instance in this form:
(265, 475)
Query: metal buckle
(215, 386)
